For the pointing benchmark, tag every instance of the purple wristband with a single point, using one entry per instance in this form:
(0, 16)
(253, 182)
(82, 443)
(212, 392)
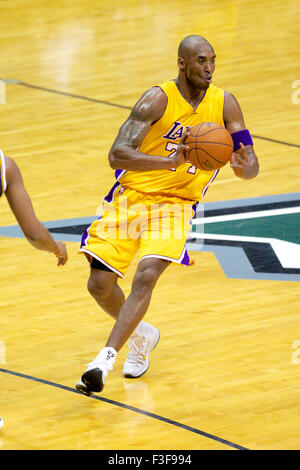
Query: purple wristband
(243, 137)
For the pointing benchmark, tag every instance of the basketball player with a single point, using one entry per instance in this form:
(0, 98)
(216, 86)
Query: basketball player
(11, 183)
(151, 171)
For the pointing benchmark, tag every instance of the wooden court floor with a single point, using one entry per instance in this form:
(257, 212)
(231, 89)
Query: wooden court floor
(225, 374)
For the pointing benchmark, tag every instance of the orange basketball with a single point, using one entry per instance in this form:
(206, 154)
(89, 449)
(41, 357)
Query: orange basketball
(210, 146)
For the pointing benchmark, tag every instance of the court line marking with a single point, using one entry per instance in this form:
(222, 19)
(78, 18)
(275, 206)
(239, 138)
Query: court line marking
(128, 407)
(72, 95)
(117, 105)
(245, 215)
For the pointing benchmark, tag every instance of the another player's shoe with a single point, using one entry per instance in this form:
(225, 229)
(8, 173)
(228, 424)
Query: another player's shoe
(93, 379)
(1, 423)
(140, 344)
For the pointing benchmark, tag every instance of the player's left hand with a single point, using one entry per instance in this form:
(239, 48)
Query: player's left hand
(244, 162)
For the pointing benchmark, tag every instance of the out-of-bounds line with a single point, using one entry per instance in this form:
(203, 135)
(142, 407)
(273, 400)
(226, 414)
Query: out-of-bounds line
(128, 407)
(72, 95)
(275, 141)
(117, 105)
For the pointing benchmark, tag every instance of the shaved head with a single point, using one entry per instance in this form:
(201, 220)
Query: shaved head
(196, 62)
(190, 43)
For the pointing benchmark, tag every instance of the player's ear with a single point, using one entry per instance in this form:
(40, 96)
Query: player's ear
(181, 63)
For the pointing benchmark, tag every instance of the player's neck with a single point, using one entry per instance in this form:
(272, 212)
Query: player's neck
(191, 95)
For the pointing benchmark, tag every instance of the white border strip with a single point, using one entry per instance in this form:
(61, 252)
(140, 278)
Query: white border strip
(174, 260)
(288, 252)
(3, 170)
(245, 215)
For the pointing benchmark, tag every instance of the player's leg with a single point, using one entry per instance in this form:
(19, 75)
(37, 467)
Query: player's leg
(130, 315)
(163, 238)
(103, 287)
(137, 303)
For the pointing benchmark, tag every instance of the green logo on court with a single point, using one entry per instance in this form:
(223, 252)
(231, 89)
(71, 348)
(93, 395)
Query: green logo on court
(253, 239)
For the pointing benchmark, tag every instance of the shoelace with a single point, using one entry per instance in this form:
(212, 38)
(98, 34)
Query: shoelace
(138, 349)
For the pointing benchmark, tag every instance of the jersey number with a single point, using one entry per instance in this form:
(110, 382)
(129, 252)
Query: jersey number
(171, 147)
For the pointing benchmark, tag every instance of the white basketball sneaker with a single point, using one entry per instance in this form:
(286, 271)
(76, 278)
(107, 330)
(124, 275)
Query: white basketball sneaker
(1, 423)
(93, 379)
(143, 340)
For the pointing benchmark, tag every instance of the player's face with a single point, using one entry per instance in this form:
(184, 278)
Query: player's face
(199, 67)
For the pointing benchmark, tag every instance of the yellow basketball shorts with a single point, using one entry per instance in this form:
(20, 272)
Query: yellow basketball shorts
(157, 226)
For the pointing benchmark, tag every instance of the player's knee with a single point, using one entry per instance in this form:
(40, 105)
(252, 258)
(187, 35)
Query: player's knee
(98, 286)
(144, 281)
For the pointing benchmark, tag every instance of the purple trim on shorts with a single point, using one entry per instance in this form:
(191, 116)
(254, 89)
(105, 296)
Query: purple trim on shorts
(85, 234)
(210, 181)
(110, 196)
(186, 259)
(117, 173)
(194, 207)
(243, 137)
(84, 237)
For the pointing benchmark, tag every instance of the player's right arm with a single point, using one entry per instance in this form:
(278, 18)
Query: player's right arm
(21, 206)
(124, 152)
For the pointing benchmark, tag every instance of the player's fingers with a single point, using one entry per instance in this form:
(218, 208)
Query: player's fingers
(235, 161)
(184, 135)
(241, 151)
(62, 259)
(240, 156)
(181, 147)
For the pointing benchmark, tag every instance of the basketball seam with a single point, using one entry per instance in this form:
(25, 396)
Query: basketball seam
(197, 145)
(214, 143)
(207, 132)
(219, 161)
(199, 161)
(203, 167)
(208, 142)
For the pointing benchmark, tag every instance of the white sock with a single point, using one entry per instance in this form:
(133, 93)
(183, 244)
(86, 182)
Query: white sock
(109, 349)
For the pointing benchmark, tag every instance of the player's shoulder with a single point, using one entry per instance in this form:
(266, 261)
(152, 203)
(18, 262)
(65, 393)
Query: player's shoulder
(228, 94)
(151, 105)
(230, 101)
(229, 97)
(153, 94)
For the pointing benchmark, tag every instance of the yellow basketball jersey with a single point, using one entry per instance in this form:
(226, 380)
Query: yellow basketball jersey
(186, 181)
(2, 174)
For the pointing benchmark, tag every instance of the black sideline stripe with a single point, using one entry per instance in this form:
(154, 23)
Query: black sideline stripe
(71, 95)
(127, 407)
